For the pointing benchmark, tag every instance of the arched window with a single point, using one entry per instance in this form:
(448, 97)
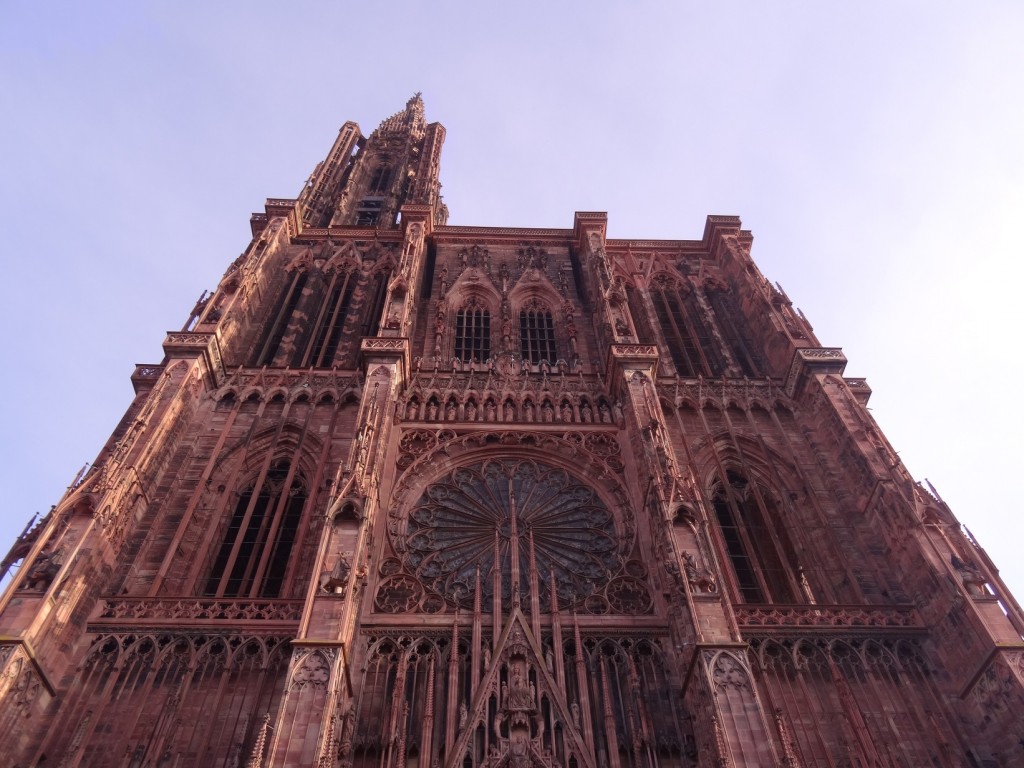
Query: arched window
(733, 327)
(253, 555)
(329, 322)
(693, 349)
(283, 309)
(380, 180)
(758, 547)
(537, 334)
(473, 332)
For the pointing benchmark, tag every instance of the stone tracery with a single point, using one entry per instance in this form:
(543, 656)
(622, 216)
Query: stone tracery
(520, 515)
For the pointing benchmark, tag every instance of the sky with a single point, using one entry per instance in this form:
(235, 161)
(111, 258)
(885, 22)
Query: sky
(874, 149)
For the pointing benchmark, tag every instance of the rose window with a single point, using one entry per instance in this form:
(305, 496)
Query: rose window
(514, 514)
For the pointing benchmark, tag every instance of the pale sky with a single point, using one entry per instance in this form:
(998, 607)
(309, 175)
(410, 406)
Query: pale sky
(874, 149)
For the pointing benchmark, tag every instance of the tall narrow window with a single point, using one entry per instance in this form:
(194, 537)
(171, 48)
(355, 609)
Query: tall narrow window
(253, 556)
(734, 329)
(537, 335)
(690, 343)
(379, 180)
(283, 310)
(756, 544)
(330, 322)
(472, 334)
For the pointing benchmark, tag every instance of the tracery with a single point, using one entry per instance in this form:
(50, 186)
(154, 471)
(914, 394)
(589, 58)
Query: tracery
(510, 512)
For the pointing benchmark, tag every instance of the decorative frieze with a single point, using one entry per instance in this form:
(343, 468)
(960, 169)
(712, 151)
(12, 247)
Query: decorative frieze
(812, 618)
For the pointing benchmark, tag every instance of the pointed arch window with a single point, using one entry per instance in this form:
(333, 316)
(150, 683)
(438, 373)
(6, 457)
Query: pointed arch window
(473, 332)
(537, 334)
(690, 343)
(758, 547)
(253, 556)
(323, 343)
(380, 180)
(733, 327)
(283, 310)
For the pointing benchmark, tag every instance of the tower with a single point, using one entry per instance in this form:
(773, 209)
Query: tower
(401, 493)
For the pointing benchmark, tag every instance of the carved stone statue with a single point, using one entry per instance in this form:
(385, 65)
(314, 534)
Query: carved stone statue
(974, 581)
(586, 413)
(336, 580)
(44, 570)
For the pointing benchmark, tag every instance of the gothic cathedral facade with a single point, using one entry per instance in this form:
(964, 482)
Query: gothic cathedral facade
(403, 494)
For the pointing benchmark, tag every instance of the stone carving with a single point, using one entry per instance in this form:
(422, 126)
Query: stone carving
(44, 570)
(312, 670)
(701, 579)
(825, 616)
(335, 581)
(973, 580)
(463, 521)
(728, 672)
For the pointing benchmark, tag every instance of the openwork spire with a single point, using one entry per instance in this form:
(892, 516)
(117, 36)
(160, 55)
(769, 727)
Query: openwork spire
(410, 119)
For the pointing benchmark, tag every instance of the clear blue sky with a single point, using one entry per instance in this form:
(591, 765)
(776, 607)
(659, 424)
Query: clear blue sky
(874, 149)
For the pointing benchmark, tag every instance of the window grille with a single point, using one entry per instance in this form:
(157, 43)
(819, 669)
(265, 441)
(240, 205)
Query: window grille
(472, 334)
(537, 336)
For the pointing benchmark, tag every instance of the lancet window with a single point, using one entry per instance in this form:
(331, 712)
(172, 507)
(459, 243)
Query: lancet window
(286, 304)
(330, 322)
(318, 316)
(690, 342)
(733, 328)
(252, 559)
(473, 332)
(757, 546)
(380, 180)
(537, 334)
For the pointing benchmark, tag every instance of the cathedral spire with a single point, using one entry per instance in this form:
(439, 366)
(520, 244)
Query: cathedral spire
(410, 119)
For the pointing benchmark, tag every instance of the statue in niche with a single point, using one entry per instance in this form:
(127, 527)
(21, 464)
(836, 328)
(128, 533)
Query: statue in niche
(44, 570)
(520, 697)
(528, 411)
(335, 581)
(431, 411)
(548, 411)
(566, 412)
(970, 575)
(606, 414)
(510, 414)
(587, 413)
(700, 579)
(449, 413)
(491, 411)
(412, 410)
(470, 411)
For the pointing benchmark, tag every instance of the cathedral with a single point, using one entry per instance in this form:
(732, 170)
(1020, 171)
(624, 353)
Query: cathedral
(404, 494)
